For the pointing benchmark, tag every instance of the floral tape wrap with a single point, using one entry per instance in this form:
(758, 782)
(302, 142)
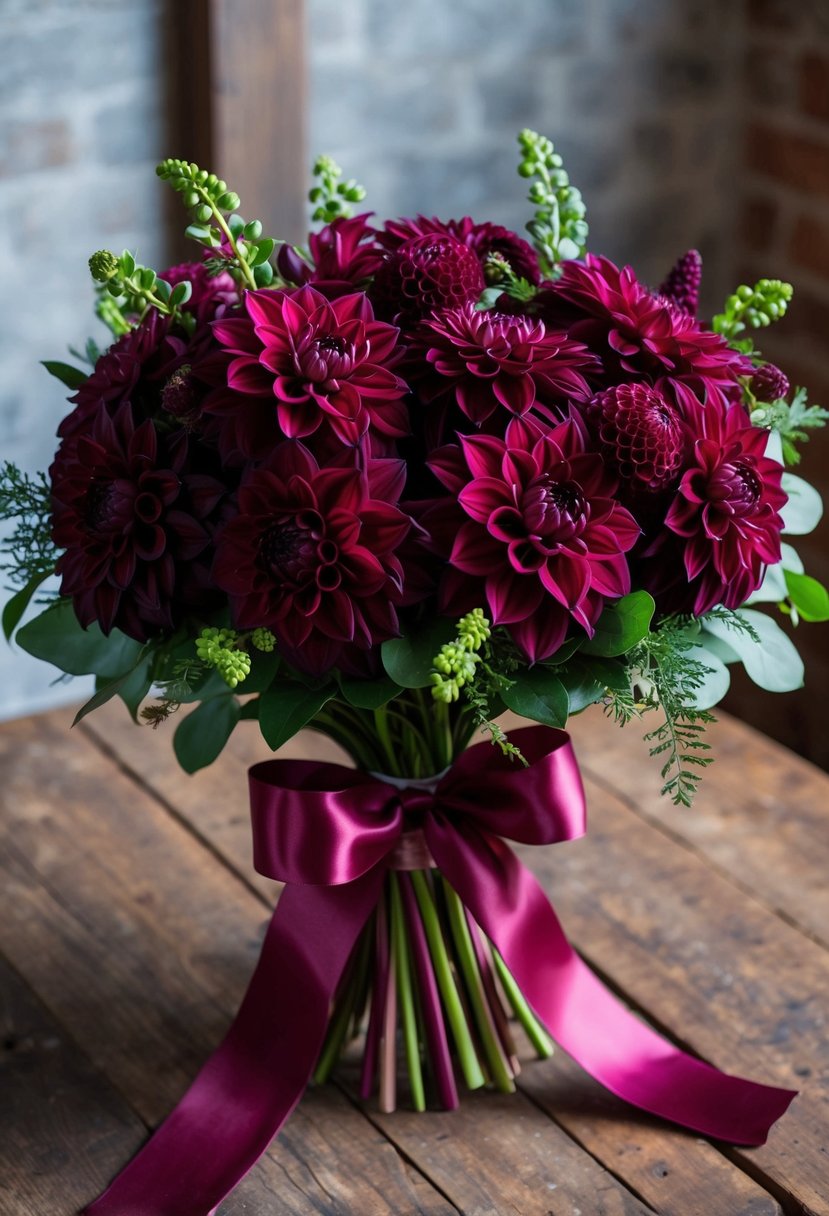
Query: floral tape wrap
(331, 834)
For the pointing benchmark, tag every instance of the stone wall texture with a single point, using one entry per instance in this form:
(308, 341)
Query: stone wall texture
(686, 123)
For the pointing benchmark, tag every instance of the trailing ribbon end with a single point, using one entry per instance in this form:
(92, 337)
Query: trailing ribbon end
(332, 834)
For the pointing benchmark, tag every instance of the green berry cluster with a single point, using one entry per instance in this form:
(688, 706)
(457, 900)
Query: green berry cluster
(753, 307)
(218, 648)
(330, 196)
(128, 290)
(558, 228)
(212, 208)
(456, 663)
(263, 639)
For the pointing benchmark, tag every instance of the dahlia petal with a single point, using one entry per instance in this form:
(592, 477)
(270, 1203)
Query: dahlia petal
(566, 579)
(610, 577)
(483, 454)
(515, 393)
(299, 419)
(483, 496)
(512, 597)
(474, 550)
(541, 635)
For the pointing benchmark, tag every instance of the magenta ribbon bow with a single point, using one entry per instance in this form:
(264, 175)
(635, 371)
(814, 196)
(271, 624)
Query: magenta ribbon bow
(330, 832)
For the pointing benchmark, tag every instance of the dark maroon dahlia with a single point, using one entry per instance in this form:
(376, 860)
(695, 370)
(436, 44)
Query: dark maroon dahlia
(296, 362)
(542, 537)
(681, 287)
(424, 275)
(311, 555)
(641, 433)
(638, 335)
(133, 371)
(482, 239)
(344, 255)
(134, 523)
(769, 384)
(491, 360)
(723, 527)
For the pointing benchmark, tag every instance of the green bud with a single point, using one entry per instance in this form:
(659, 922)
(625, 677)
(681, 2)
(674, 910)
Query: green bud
(103, 265)
(263, 640)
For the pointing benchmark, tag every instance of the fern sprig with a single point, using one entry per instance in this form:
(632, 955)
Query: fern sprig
(29, 552)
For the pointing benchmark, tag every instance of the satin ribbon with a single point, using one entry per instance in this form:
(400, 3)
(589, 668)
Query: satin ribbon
(329, 833)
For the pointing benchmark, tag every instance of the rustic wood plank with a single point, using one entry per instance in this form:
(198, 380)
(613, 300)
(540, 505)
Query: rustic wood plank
(141, 943)
(736, 983)
(63, 1128)
(760, 817)
(699, 1173)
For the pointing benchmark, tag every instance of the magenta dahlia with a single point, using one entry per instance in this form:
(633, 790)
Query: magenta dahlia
(724, 523)
(344, 255)
(542, 536)
(425, 274)
(491, 360)
(641, 434)
(638, 335)
(311, 555)
(681, 286)
(133, 523)
(211, 295)
(482, 239)
(297, 361)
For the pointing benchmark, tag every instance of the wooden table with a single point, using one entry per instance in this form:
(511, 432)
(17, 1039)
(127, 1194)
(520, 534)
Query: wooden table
(131, 920)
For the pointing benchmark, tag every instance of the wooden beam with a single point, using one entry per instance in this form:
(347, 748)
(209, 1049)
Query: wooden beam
(238, 102)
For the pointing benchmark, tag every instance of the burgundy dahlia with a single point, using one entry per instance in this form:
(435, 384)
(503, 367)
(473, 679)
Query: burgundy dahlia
(681, 287)
(311, 556)
(132, 520)
(344, 255)
(637, 335)
(641, 434)
(211, 295)
(297, 362)
(541, 537)
(490, 360)
(482, 239)
(769, 384)
(425, 274)
(724, 522)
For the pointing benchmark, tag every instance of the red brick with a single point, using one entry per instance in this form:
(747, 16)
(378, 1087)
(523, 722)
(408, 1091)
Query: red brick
(809, 244)
(798, 160)
(758, 223)
(813, 85)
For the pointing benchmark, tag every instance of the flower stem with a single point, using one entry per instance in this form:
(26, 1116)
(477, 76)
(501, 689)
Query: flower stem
(536, 1033)
(470, 1065)
(405, 994)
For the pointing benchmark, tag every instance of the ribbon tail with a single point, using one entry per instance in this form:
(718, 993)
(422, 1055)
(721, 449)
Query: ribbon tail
(252, 1082)
(611, 1043)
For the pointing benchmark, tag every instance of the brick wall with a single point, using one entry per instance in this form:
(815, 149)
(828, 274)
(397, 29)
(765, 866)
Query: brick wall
(81, 127)
(783, 232)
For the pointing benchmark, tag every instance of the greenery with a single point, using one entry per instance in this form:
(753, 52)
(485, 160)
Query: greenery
(753, 307)
(792, 420)
(329, 196)
(28, 554)
(558, 227)
(132, 290)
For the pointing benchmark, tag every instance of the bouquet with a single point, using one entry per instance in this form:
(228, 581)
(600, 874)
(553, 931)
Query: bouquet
(387, 486)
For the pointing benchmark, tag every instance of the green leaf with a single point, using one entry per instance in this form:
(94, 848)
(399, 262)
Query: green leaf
(19, 602)
(369, 694)
(250, 710)
(409, 660)
(262, 251)
(803, 511)
(56, 637)
(135, 688)
(72, 377)
(263, 667)
(808, 596)
(717, 679)
(124, 686)
(200, 737)
(285, 710)
(621, 625)
(587, 680)
(180, 294)
(772, 663)
(565, 650)
(538, 694)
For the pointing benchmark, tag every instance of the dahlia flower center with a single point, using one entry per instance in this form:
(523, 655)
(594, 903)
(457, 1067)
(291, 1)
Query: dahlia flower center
(178, 396)
(100, 506)
(554, 510)
(326, 357)
(736, 486)
(294, 550)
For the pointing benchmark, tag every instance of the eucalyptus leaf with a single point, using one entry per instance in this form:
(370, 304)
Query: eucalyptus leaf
(772, 590)
(772, 662)
(790, 559)
(201, 736)
(539, 695)
(409, 660)
(621, 625)
(802, 513)
(285, 710)
(717, 679)
(57, 637)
